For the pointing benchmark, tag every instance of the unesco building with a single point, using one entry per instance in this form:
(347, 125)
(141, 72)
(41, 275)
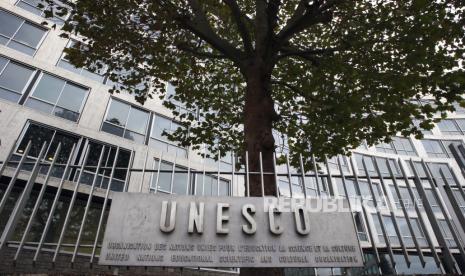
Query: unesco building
(80, 169)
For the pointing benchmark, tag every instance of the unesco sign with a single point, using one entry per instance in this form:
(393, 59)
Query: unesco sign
(167, 230)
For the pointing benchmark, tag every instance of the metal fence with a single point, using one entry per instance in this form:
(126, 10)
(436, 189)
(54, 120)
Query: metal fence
(406, 211)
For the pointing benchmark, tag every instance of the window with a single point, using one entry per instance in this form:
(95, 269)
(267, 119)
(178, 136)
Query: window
(405, 198)
(176, 183)
(418, 231)
(167, 182)
(432, 200)
(378, 228)
(350, 186)
(403, 146)
(406, 234)
(461, 124)
(391, 230)
(208, 186)
(360, 225)
(460, 199)
(64, 63)
(436, 168)
(108, 158)
(159, 141)
(434, 148)
(368, 162)
(14, 79)
(383, 166)
(447, 144)
(385, 147)
(366, 193)
(20, 34)
(333, 164)
(446, 232)
(180, 107)
(32, 6)
(126, 121)
(398, 145)
(39, 134)
(132, 123)
(449, 127)
(424, 131)
(459, 109)
(58, 97)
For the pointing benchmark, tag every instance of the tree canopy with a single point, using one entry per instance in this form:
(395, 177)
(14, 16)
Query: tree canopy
(333, 72)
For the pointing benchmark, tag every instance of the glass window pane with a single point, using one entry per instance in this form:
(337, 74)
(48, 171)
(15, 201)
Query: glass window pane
(224, 188)
(72, 97)
(448, 127)
(8, 95)
(3, 62)
(37, 135)
(68, 66)
(112, 129)
(447, 144)
(66, 114)
(48, 88)
(15, 77)
(118, 113)
(180, 182)
(39, 105)
(9, 23)
(29, 7)
(22, 48)
(134, 136)
(138, 121)
(434, 148)
(29, 34)
(164, 180)
(159, 125)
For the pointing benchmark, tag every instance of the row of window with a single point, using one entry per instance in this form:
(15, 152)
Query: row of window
(38, 134)
(141, 126)
(40, 90)
(398, 145)
(40, 8)
(175, 180)
(407, 236)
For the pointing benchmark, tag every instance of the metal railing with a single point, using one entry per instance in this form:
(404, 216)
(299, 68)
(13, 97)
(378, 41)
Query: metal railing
(21, 184)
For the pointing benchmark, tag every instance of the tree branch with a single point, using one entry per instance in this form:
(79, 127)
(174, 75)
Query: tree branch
(294, 89)
(293, 51)
(186, 48)
(241, 22)
(200, 26)
(306, 16)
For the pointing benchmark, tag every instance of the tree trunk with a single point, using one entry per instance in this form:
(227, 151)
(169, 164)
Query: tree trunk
(259, 115)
